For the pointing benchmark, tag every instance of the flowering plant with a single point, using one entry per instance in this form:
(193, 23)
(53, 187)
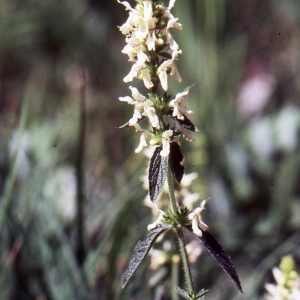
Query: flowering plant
(287, 281)
(153, 51)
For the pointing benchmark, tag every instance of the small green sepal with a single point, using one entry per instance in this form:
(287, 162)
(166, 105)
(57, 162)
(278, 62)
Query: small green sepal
(201, 294)
(183, 293)
(180, 217)
(188, 296)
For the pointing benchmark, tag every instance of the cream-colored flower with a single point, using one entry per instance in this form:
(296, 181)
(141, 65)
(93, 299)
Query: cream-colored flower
(166, 138)
(135, 50)
(157, 222)
(286, 287)
(126, 4)
(142, 107)
(197, 224)
(144, 135)
(140, 70)
(167, 68)
(178, 105)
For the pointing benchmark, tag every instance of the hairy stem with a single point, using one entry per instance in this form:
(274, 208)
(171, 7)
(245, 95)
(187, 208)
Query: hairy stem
(181, 241)
(175, 275)
(171, 191)
(185, 262)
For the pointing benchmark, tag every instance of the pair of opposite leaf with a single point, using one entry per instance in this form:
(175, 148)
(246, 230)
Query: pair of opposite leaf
(157, 173)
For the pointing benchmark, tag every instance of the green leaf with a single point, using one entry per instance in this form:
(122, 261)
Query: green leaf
(183, 293)
(157, 173)
(140, 251)
(201, 294)
(175, 160)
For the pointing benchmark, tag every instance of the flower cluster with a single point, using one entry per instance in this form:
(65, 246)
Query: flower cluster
(153, 51)
(287, 285)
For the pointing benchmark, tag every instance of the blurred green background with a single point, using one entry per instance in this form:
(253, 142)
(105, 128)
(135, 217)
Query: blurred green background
(71, 199)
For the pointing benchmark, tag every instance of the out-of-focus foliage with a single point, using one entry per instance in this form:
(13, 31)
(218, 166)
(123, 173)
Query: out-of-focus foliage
(71, 204)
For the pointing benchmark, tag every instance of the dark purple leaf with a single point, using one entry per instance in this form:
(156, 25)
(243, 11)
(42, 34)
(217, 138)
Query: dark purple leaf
(186, 123)
(218, 253)
(175, 159)
(157, 173)
(165, 54)
(140, 251)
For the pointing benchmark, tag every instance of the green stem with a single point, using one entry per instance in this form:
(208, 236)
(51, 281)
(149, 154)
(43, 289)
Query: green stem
(175, 275)
(171, 191)
(181, 241)
(185, 262)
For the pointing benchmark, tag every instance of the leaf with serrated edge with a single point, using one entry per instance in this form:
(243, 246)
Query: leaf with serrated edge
(140, 251)
(218, 253)
(182, 293)
(157, 173)
(175, 159)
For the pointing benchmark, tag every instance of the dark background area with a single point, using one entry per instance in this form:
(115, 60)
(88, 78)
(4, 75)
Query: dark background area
(71, 200)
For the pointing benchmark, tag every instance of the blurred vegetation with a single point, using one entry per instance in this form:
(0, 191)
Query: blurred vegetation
(71, 201)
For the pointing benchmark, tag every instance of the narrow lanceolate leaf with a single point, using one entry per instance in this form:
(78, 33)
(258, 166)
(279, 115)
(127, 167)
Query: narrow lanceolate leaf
(175, 160)
(182, 293)
(157, 173)
(218, 253)
(140, 251)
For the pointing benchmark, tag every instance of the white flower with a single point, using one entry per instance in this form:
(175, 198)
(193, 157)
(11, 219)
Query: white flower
(166, 137)
(148, 12)
(144, 135)
(169, 40)
(142, 107)
(135, 50)
(126, 4)
(167, 67)
(172, 22)
(197, 224)
(188, 198)
(178, 105)
(141, 70)
(151, 39)
(157, 222)
(287, 285)
(171, 4)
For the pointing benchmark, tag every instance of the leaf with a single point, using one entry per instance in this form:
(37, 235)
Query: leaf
(157, 173)
(218, 253)
(175, 159)
(165, 54)
(186, 123)
(140, 251)
(201, 294)
(183, 293)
